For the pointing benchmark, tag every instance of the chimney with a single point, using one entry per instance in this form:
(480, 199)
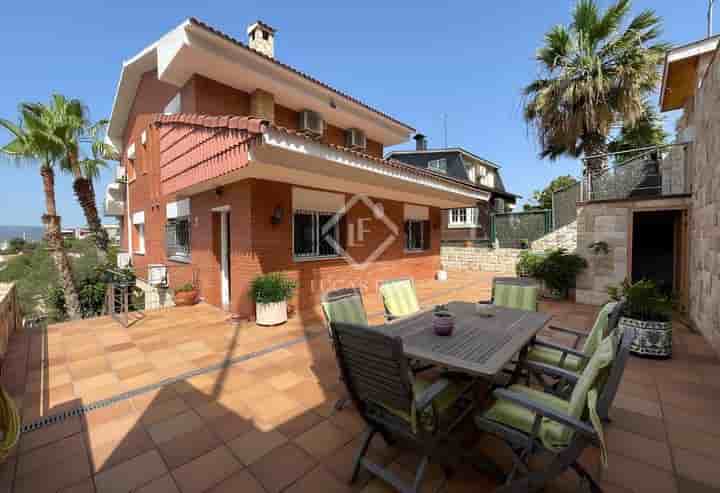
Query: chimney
(261, 38)
(420, 142)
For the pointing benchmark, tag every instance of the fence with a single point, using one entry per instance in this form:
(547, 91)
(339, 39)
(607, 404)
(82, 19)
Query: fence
(520, 229)
(564, 205)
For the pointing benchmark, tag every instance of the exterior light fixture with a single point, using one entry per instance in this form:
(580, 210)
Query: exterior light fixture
(277, 215)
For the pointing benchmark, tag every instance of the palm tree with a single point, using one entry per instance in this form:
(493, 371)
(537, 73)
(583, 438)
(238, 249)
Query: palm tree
(647, 131)
(32, 143)
(68, 121)
(594, 73)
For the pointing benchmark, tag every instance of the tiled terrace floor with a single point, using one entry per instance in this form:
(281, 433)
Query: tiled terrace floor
(268, 424)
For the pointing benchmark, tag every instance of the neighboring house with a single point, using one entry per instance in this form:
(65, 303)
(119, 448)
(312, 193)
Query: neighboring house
(464, 223)
(113, 232)
(235, 164)
(75, 233)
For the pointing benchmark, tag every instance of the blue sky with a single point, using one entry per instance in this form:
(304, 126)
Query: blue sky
(413, 60)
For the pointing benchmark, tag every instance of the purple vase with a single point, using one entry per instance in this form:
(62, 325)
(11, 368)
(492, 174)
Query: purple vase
(443, 323)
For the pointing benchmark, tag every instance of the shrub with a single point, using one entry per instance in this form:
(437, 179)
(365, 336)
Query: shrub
(559, 269)
(272, 288)
(528, 263)
(643, 301)
(185, 288)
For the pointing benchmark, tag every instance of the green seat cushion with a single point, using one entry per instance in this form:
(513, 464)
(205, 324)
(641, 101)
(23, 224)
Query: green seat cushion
(346, 310)
(552, 433)
(444, 401)
(399, 298)
(520, 297)
(552, 357)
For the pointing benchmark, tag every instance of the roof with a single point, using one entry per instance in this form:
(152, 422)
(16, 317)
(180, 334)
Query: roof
(683, 65)
(455, 165)
(259, 126)
(147, 59)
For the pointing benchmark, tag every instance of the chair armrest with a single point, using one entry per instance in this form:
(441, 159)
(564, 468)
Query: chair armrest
(553, 371)
(425, 399)
(558, 347)
(579, 334)
(545, 411)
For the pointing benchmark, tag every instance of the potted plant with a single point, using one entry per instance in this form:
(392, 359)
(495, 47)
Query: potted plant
(186, 295)
(649, 313)
(558, 270)
(271, 293)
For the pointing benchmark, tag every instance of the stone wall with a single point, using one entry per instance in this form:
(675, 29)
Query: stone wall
(500, 260)
(704, 272)
(564, 237)
(10, 316)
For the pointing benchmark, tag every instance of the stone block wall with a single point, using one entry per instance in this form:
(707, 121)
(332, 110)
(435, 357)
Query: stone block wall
(564, 237)
(472, 258)
(10, 316)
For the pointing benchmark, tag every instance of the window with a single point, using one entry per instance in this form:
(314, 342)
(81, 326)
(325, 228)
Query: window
(465, 217)
(471, 172)
(439, 165)
(315, 234)
(140, 229)
(174, 106)
(417, 235)
(177, 238)
(499, 205)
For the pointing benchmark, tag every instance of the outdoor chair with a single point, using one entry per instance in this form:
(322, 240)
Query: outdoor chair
(532, 422)
(398, 405)
(513, 292)
(398, 298)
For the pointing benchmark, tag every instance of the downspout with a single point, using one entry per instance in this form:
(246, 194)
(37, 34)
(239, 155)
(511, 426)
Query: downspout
(129, 218)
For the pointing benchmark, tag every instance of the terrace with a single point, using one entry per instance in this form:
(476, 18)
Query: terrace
(184, 402)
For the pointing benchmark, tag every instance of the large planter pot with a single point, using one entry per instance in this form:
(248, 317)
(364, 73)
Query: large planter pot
(651, 338)
(554, 294)
(271, 313)
(186, 298)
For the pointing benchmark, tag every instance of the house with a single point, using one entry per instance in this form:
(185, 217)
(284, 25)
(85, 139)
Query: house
(113, 232)
(236, 164)
(78, 233)
(462, 224)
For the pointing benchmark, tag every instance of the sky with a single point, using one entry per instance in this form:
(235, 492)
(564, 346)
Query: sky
(416, 61)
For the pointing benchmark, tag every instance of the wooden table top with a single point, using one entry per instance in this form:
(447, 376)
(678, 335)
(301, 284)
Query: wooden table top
(479, 345)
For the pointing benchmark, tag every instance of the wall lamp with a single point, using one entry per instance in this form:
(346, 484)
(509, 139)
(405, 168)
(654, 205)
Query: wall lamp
(277, 215)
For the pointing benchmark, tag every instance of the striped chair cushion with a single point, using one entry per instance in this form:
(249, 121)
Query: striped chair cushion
(520, 297)
(345, 310)
(399, 298)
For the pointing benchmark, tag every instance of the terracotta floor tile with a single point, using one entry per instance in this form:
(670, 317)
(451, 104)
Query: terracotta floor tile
(694, 440)
(188, 446)
(638, 476)
(645, 450)
(105, 414)
(163, 484)
(285, 380)
(349, 420)
(653, 428)
(241, 481)
(708, 423)
(89, 367)
(686, 485)
(253, 445)
(113, 452)
(323, 439)
(318, 480)
(175, 426)
(163, 410)
(637, 405)
(697, 467)
(272, 406)
(131, 474)
(299, 424)
(85, 486)
(111, 431)
(71, 470)
(134, 370)
(231, 425)
(206, 471)
(49, 434)
(102, 380)
(282, 467)
(44, 457)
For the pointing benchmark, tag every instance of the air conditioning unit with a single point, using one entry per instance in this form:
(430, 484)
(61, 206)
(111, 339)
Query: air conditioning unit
(157, 275)
(355, 139)
(311, 123)
(123, 260)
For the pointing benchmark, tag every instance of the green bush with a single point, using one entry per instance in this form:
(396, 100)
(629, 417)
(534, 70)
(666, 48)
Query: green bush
(185, 288)
(643, 301)
(272, 288)
(559, 269)
(528, 263)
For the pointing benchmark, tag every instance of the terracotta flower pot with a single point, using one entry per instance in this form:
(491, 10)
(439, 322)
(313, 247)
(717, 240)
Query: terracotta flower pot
(186, 298)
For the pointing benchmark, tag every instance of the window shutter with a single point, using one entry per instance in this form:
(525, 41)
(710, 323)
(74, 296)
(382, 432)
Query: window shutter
(426, 235)
(342, 234)
(407, 234)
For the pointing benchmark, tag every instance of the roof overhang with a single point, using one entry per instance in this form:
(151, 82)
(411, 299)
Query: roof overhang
(683, 70)
(462, 151)
(193, 48)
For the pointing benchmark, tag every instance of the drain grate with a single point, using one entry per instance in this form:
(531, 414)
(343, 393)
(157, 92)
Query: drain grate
(82, 410)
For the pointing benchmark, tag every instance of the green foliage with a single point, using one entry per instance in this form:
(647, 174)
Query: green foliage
(647, 131)
(598, 247)
(643, 300)
(542, 199)
(272, 288)
(528, 263)
(595, 71)
(185, 288)
(558, 269)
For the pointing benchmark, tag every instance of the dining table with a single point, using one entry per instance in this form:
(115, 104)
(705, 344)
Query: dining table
(479, 345)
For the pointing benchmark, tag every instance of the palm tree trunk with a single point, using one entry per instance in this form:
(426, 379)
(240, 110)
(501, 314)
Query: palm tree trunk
(595, 144)
(55, 244)
(85, 193)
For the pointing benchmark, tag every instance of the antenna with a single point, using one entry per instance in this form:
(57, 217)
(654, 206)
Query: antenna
(709, 18)
(445, 126)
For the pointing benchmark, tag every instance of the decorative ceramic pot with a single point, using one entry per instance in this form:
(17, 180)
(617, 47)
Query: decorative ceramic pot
(651, 338)
(271, 313)
(186, 298)
(443, 323)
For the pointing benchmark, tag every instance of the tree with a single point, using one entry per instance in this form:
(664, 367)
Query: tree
(67, 120)
(594, 73)
(543, 198)
(646, 132)
(32, 143)
(16, 245)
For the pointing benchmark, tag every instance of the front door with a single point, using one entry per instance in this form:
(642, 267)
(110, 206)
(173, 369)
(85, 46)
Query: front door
(221, 240)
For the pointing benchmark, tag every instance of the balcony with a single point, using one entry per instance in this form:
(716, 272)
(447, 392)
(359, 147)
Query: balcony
(647, 173)
(114, 202)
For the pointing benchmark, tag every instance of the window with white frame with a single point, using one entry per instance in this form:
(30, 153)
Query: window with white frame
(439, 165)
(177, 238)
(140, 230)
(464, 217)
(315, 234)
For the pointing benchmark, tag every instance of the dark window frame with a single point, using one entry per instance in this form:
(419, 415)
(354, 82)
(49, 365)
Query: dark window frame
(318, 248)
(178, 238)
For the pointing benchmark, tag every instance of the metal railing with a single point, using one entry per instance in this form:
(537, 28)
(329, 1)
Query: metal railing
(118, 298)
(643, 173)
